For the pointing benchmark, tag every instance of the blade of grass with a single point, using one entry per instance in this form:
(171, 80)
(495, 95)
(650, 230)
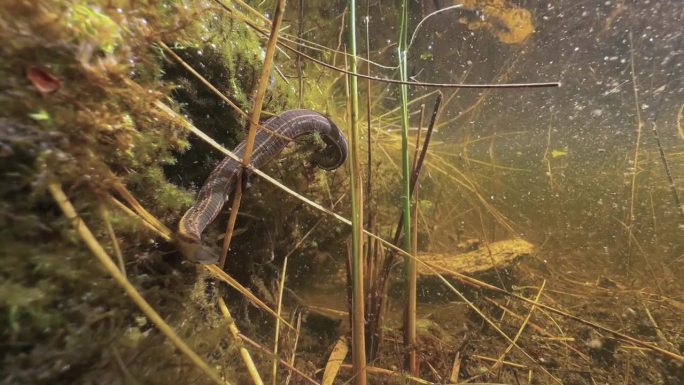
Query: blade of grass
(409, 263)
(412, 283)
(369, 135)
(358, 298)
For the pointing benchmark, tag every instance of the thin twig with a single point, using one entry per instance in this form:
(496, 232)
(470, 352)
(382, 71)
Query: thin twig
(300, 32)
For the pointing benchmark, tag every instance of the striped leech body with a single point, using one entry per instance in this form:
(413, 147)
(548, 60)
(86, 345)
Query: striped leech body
(268, 144)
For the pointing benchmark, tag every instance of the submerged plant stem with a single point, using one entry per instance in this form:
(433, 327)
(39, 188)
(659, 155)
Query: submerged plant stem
(244, 353)
(358, 298)
(254, 121)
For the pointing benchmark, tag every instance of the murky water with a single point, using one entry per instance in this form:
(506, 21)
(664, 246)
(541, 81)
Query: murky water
(583, 171)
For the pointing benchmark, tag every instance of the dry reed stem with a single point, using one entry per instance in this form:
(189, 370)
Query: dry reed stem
(635, 162)
(279, 307)
(294, 348)
(311, 230)
(658, 330)
(496, 361)
(337, 356)
(562, 339)
(298, 62)
(620, 336)
(201, 78)
(104, 213)
(140, 210)
(434, 268)
(455, 368)
(254, 122)
(474, 188)
(369, 135)
(101, 255)
(358, 312)
(217, 272)
(680, 122)
(491, 323)
(520, 330)
(282, 362)
(254, 12)
(133, 214)
(391, 373)
(235, 200)
(244, 353)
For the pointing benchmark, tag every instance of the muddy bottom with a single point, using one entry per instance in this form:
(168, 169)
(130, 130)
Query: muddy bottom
(613, 324)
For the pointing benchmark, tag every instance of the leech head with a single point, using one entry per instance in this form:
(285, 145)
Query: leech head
(196, 252)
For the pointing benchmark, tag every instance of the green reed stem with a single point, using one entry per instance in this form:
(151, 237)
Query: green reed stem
(409, 263)
(358, 313)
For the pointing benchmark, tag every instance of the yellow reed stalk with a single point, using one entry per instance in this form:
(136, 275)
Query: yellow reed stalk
(500, 361)
(218, 273)
(244, 353)
(279, 307)
(294, 348)
(254, 120)
(101, 255)
(357, 257)
(104, 213)
(635, 162)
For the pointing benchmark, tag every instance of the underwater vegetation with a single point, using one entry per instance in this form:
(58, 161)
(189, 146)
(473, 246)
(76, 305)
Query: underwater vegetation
(540, 239)
(78, 85)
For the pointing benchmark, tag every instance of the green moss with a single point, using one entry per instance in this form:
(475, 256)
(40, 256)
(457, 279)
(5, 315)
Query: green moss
(62, 317)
